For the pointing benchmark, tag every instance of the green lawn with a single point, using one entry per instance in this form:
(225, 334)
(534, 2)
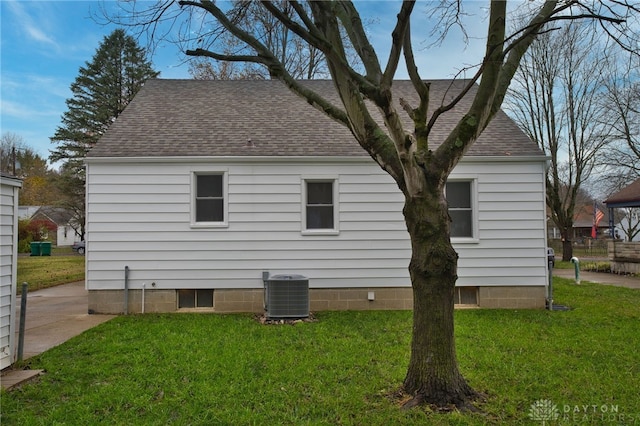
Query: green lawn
(208, 369)
(47, 271)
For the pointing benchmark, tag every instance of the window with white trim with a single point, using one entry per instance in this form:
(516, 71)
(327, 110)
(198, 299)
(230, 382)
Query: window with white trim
(459, 195)
(209, 202)
(320, 205)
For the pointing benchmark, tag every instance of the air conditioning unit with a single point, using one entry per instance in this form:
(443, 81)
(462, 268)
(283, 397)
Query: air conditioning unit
(286, 296)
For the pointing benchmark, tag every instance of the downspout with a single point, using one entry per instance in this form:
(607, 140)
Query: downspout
(126, 290)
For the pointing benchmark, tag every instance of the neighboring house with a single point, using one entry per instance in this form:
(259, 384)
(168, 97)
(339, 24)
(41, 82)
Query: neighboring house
(583, 224)
(65, 234)
(627, 198)
(200, 187)
(9, 189)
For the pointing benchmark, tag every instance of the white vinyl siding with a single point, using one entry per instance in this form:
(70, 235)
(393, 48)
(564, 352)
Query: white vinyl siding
(8, 267)
(511, 248)
(140, 215)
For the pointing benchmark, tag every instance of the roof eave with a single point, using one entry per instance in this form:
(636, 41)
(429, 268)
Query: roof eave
(302, 159)
(622, 203)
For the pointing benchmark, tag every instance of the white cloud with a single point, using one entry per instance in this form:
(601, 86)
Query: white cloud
(24, 111)
(34, 86)
(31, 25)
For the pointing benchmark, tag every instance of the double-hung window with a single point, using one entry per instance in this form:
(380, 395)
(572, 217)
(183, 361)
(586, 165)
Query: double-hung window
(209, 204)
(320, 206)
(460, 199)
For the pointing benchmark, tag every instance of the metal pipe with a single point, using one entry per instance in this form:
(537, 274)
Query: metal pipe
(576, 265)
(265, 282)
(550, 295)
(143, 286)
(23, 318)
(126, 290)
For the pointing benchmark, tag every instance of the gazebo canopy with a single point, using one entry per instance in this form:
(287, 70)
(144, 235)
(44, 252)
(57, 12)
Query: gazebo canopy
(629, 196)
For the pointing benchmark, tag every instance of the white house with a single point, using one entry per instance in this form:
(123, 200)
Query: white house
(200, 187)
(9, 188)
(60, 217)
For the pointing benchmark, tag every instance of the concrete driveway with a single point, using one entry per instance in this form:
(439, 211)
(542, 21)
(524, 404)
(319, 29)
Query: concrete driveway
(53, 316)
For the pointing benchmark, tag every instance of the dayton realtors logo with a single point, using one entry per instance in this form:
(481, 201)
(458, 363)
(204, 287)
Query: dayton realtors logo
(544, 410)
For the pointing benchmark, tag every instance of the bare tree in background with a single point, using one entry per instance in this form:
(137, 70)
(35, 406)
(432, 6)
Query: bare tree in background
(419, 166)
(622, 102)
(630, 222)
(301, 60)
(557, 101)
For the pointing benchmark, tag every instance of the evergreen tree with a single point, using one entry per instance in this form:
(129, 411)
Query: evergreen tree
(102, 90)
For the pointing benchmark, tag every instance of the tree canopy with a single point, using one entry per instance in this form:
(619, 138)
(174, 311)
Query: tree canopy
(101, 91)
(38, 179)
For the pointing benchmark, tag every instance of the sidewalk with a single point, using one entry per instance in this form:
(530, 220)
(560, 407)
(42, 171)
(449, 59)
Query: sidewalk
(600, 277)
(53, 316)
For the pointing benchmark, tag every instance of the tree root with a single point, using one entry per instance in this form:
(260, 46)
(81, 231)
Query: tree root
(463, 405)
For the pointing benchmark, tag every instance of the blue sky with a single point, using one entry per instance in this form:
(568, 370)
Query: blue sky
(44, 43)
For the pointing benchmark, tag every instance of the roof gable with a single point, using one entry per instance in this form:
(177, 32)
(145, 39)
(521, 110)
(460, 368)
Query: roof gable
(264, 118)
(57, 215)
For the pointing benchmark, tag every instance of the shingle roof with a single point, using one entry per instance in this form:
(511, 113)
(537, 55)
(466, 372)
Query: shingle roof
(57, 215)
(629, 196)
(217, 118)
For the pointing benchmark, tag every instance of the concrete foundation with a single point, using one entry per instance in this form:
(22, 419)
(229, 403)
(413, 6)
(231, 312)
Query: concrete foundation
(330, 299)
(512, 297)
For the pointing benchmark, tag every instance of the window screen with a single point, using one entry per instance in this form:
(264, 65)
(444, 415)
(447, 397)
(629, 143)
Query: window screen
(320, 205)
(209, 198)
(460, 208)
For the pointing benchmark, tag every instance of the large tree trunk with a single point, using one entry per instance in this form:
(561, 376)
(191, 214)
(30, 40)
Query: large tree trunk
(433, 376)
(567, 244)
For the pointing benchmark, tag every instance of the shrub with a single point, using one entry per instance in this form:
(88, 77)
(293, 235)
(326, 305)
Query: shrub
(33, 230)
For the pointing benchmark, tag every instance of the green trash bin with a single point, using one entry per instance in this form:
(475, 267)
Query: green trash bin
(45, 248)
(35, 248)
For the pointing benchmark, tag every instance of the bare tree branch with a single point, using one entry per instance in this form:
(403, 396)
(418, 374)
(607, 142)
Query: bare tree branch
(316, 39)
(352, 24)
(398, 38)
(419, 114)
